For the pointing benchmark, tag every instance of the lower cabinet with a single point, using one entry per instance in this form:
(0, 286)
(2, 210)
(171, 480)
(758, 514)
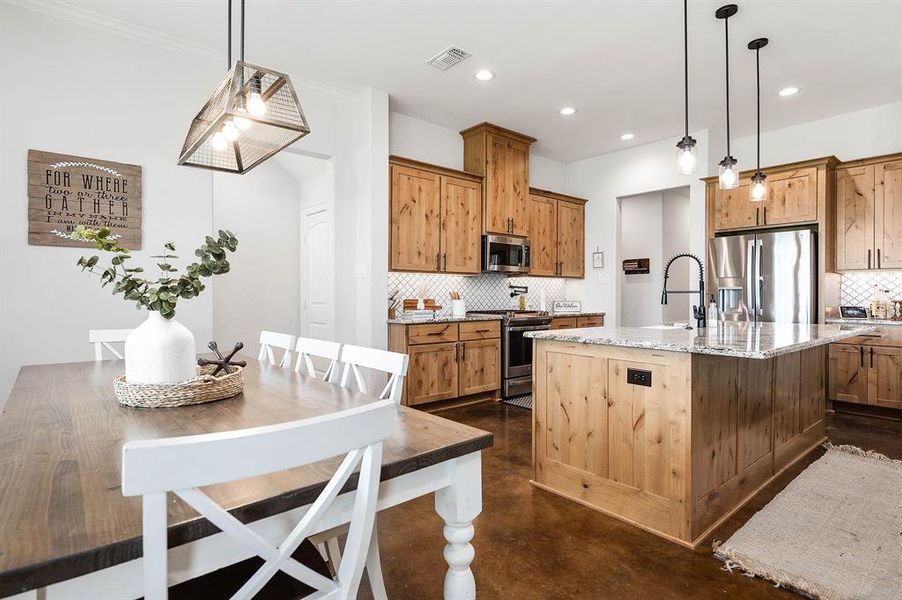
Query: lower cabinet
(448, 360)
(577, 321)
(866, 374)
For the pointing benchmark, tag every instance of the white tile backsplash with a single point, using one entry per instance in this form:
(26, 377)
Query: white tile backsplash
(856, 289)
(485, 291)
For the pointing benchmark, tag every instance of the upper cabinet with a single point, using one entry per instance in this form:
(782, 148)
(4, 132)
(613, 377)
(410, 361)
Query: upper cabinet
(501, 156)
(557, 226)
(435, 218)
(869, 214)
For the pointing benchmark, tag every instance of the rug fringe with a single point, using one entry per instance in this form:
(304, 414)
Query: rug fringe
(848, 448)
(780, 579)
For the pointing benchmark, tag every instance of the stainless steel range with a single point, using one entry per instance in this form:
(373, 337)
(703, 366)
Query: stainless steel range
(516, 350)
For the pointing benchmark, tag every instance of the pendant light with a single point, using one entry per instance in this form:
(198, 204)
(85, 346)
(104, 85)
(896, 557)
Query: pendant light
(758, 189)
(253, 114)
(728, 176)
(687, 160)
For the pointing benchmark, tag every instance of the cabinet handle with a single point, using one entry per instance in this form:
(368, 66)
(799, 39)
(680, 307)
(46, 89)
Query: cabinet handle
(512, 226)
(437, 254)
(463, 351)
(444, 261)
(878, 258)
(872, 357)
(765, 215)
(861, 352)
(869, 258)
(456, 351)
(757, 216)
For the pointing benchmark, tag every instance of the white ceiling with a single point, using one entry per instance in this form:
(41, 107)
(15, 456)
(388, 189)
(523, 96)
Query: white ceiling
(618, 62)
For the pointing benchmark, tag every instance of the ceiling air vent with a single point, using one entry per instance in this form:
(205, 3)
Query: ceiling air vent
(448, 57)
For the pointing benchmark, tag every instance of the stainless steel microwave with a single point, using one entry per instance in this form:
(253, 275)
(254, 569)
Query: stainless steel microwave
(505, 254)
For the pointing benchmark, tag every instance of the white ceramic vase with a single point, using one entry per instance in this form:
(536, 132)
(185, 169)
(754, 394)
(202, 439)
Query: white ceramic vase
(159, 351)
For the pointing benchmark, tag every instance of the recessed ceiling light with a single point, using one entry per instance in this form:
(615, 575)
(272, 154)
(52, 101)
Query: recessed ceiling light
(627, 136)
(484, 75)
(568, 110)
(789, 91)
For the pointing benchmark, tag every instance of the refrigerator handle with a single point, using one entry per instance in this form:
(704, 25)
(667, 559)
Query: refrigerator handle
(759, 259)
(750, 278)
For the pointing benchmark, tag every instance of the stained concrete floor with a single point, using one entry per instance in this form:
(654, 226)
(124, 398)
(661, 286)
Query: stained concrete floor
(533, 544)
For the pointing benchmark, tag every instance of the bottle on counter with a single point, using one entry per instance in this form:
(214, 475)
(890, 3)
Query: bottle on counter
(875, 300)
(713, 315)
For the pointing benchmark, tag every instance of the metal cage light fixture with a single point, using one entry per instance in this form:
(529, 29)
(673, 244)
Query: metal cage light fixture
(253, 114)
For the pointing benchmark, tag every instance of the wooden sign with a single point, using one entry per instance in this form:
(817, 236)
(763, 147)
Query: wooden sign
(566, 307)
(65, 191)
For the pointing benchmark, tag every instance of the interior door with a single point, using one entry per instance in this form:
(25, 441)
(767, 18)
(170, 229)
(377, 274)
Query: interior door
(791, 198)
(415, 219)
(480, 366)
(543, 235)
(888, 224)
(884, 376)
(498, 184)
(432, 373)
(848, 374)
(461, 230)
(786, 276)
(318, 317)
(733, 210)
(855, 218)
(571, 231)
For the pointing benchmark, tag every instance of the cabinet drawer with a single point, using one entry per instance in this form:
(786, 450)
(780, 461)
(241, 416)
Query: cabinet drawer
(593, 321)
(432, 333)
(564, 323)
(479, 330)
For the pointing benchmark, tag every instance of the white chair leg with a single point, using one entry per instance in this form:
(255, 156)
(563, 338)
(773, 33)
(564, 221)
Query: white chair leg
(374, 568)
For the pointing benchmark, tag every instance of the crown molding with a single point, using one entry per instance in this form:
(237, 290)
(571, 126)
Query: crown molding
(95, 20)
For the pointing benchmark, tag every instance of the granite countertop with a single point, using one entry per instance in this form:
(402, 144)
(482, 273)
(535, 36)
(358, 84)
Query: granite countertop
(443, 319)
(742, 340)
(579, 314)
(840, 321)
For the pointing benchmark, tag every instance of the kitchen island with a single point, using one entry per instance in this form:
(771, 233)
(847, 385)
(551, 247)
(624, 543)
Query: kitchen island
(673, 430)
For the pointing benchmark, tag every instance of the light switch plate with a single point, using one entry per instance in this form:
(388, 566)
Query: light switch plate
(360, 270)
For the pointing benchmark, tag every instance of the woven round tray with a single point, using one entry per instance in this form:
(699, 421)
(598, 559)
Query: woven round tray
(203, 388)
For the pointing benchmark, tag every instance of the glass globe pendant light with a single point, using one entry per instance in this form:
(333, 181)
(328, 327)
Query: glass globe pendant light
(728, 173)
(687, 160)
(758, 189)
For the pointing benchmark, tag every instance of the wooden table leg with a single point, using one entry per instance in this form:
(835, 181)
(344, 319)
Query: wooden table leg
(458, 504)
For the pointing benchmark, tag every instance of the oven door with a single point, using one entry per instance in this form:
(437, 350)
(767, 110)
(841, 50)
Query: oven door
(518, 350)
(505, 254)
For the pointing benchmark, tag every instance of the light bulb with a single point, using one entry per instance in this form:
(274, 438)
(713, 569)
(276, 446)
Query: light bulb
(243, 123)
(729, 174)
(687, 161)
(255, 104)
(219, 141)
(230, 131)
(758, 191)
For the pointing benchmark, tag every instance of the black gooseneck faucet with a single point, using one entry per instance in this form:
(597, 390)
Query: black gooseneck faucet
(697, 311)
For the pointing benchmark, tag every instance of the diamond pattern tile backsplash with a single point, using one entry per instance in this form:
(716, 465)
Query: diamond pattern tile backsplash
(856, 289)
(486, 291)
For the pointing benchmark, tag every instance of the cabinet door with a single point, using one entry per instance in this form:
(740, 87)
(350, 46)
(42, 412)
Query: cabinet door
(593, 321)
(885, 376)
(497, 184)
(888, 223)
(571, 232)
(432, 374)
(461, 225)
(855, 218)
(415, 221)
(543, 235)
(848, 374)
(791, 198)
(564, 323)
(734, 210)
(480, 366)
(518, 202)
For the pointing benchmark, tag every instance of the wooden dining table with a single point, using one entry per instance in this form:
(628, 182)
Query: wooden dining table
(66, 530)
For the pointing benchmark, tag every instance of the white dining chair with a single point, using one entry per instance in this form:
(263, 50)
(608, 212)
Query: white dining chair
(181, 465)
(309, 348)
(105, 338)
(392, 363)
(281, 341)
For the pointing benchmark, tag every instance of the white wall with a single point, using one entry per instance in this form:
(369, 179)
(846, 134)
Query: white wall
(604, 179)
(421, 140)
(127, 103)
(676, 238)
(262, 289)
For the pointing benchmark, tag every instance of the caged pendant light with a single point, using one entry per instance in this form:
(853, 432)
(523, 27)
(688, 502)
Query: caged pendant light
(758, 189)
(252, 115)
(728, 177)
(687, 160)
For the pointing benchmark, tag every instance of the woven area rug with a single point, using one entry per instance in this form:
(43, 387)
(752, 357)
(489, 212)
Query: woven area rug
(835, 532)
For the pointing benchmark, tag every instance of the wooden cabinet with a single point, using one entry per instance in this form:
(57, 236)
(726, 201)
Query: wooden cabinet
(501, 156)
(435, 218)
(848, 374)
(733, 210)
(885, 376)
(563, 323)
(869, 214)
(557, 226)
(590, 321)
(577, 321)
(791, 198)
(866, 374)
(448, 360)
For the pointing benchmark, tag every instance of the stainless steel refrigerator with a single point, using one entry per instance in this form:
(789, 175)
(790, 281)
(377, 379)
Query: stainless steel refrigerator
(768, 276)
